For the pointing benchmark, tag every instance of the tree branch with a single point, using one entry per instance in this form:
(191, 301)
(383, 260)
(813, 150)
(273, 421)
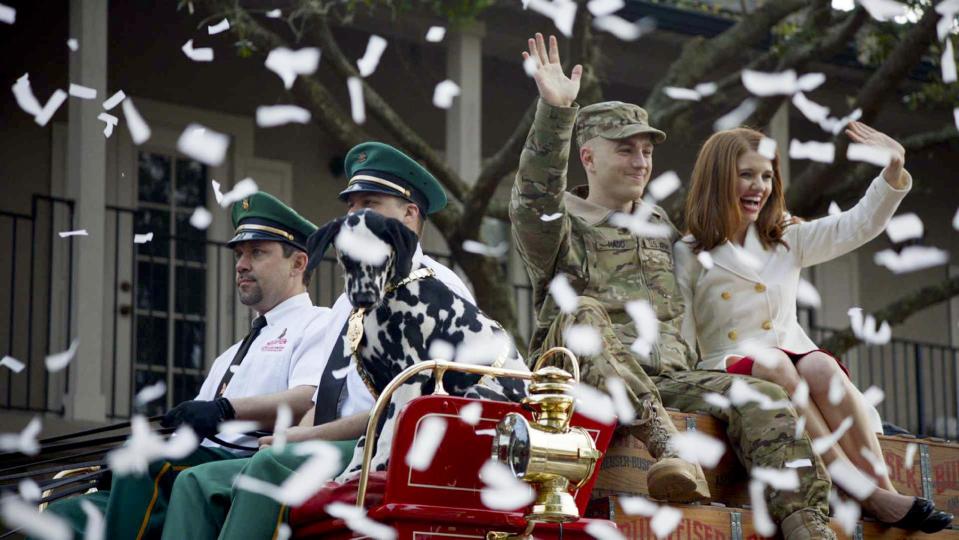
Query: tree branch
(897, 312)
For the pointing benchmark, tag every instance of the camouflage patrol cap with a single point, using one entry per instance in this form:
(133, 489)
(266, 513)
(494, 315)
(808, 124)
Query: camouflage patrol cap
(614, 120)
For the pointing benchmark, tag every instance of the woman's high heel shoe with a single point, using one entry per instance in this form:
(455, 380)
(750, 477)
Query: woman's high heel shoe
(923, 516)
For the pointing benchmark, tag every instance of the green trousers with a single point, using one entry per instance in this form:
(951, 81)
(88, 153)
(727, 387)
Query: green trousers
(204, 504)
(136, 504)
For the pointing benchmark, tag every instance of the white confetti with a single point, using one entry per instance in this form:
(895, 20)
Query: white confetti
(767, 148)
(706, 89)
(243, 189)
(357, 106)
(562, 12)
(485, 432)
(79, 232)
(284, 419)
(216, 191)
(770, 84)
(529, 66)
(563, 294)
(813, 111)
(911, 258)
(624, 408)
(823, 152)
(221, 26)
(624, 29)
(904, 227)
(869, 154)
(663, 185)
(717, 400)
(884, 10)
(96, 526)
(139, 130)
(359, 523)
(7, 14)
(647, 326)
(479, 248)
(686, 94)
(435, 34)
(955, 117)
(18, 514)
(359, 243)
(594, 403)
(835, 125)
(24, 442)
(472, 413)
(236, 427)
(12, 364)
(821, 444)
(800, 396)
(865, 329)
(485, 351)
(762, 522)
(910, 459)
(82, 92)
(287, 64)
(834, 209)
(442, 350)
(274, 13)
(23, 92)
(150, 393)
(144, 446)
(203, 144)
(600, 8)
(807, 295)
(309, 477)
(837, 387)
(554, 217)
(114, 100)
(778, 479)
(583, 340)
(371, 58)
(810, 81)
(800, 428)
(444, 93)
(503, 491)
(665, 521)
(873, 396)
(637, 506)
(45, 114)
(201, 218)
(602, 530)
(705, 259)
(110, 122)
(638, 222)
(429, 434)
(878, 465)
(29, 490)
(737, 116)
(851, 479)
(697, 447)
(284, 532)
(57, 361)
(955, 218)
(847, 513)
(277, 115)
(798, 463)
(203, 54)
(142, 238)
(740, 393)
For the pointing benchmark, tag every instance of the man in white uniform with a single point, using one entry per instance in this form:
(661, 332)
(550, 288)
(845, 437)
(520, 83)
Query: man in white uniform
(274, 365)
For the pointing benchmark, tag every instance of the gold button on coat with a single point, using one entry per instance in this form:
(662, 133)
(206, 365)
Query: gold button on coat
(767, 325)
(726, 295)
(732, 335)
(760, 287)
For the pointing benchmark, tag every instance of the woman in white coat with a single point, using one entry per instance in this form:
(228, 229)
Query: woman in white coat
(741, 309)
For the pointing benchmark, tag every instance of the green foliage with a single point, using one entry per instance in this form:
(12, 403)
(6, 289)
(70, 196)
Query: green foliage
(457, 12)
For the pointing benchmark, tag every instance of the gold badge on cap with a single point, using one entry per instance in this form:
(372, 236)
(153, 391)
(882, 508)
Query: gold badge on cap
(246, 204)
(361, 157)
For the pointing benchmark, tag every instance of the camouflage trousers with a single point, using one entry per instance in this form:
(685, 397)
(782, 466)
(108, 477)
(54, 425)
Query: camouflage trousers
(760, 438)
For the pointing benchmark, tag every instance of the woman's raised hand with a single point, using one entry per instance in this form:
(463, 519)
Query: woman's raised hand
(863, 134)
(555, 88)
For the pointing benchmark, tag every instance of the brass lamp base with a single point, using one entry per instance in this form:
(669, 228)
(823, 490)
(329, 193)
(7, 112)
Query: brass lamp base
(553, 503)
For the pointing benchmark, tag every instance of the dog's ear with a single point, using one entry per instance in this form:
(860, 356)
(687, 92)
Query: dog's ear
(320, 240)
(404, 243)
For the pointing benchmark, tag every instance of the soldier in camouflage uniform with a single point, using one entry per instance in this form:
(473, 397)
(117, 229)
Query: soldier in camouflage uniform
(608, 266)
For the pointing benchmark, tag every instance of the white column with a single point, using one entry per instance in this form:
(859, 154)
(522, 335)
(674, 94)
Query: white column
(464, 66)
(86, 184)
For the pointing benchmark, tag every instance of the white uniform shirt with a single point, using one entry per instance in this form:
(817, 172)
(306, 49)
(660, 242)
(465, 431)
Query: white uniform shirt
(281, 357)
(358, 398)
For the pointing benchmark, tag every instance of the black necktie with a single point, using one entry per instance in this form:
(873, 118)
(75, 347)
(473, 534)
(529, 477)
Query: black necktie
(258, 324)
(330, 388)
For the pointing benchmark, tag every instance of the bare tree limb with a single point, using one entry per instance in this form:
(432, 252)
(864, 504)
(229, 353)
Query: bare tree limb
(897, 312)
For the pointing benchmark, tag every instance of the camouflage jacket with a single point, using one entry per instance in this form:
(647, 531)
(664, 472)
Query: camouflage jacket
(601, 260)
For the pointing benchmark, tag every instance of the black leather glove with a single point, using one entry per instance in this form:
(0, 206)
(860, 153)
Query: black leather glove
(202, 416)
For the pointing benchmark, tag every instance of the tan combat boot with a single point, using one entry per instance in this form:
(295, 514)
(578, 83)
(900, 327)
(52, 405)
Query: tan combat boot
(806, 525)
(670, 478)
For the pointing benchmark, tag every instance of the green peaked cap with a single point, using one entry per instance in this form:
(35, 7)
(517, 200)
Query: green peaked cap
(379, 168)
(262, 216)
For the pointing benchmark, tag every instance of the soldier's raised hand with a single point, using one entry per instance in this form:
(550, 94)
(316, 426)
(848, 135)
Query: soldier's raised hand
(861, 133)
(555, 88)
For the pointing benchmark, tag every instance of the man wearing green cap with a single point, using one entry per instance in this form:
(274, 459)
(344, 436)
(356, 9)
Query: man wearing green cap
(205, 502)
(275, 365)
(609, 267)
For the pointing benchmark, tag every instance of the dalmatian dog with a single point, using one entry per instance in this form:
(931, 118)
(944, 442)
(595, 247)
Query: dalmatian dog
(405, 323)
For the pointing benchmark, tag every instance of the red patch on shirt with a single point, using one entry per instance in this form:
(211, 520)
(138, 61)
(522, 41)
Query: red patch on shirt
(276, 345)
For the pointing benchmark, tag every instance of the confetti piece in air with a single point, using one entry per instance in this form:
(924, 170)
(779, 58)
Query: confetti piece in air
(600, 8)
(665, 521)
(798, 463)
(624, 408)
(25, 441)
(911, 258)
(562, 13)
(566, 298)
(472, 413)
(717, 400)
(762, 522)
(554, 217)
(529, 66)
(48, 110)
(807, 295)
(79, 232)
(864, 328)
(697, 447)
(109, 121)
(201, 218)
(847, 513)
(284, 532)
(904, 227)
(371, 58)
(274, 13)
(851, 479)
(7, 14)
(868, 154)
(142, 238)
(221, 26)
(955, 117)
(834, 209)
(503, 491)
(144, 446)
(686, 94)
(647, 326)
(139, 130)
(873, 396)
(216, 191)
(356, 519)
(767, 148)
(357, 107)
(740, 393)
(23, 92)
(96, 527)
(442, 350)
(484, 351)
(150, 393)
(638, 222)
(800, 428)
(288, 64)
(444, 93)
(236, 427)
(800, 396)
(435, 34)
(583, 339)
(243, 189)
(57, 361)
(498, 251)
(781, 83)
(624, 29)
(203, 144)
(821, 444)
(426, 441)
(637, 506)
(813, 111)
(359, 243)
(593, 403)
(663, 185)
(910, 457)
(203, 54)
(308, 478)
(706, 89)
(24, 516)
(29, 490)
(114, 100)
(602, 530)
(837, 387)
(82, 92)
(277, 115)
(823, 152)
(12, 364)
(284, 419)
(778, 479)
(737, 116)
(705, 259)
(878, 465)
(73, 44)
(884, 10)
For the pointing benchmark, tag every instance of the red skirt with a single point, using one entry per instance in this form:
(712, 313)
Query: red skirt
(744, 366)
